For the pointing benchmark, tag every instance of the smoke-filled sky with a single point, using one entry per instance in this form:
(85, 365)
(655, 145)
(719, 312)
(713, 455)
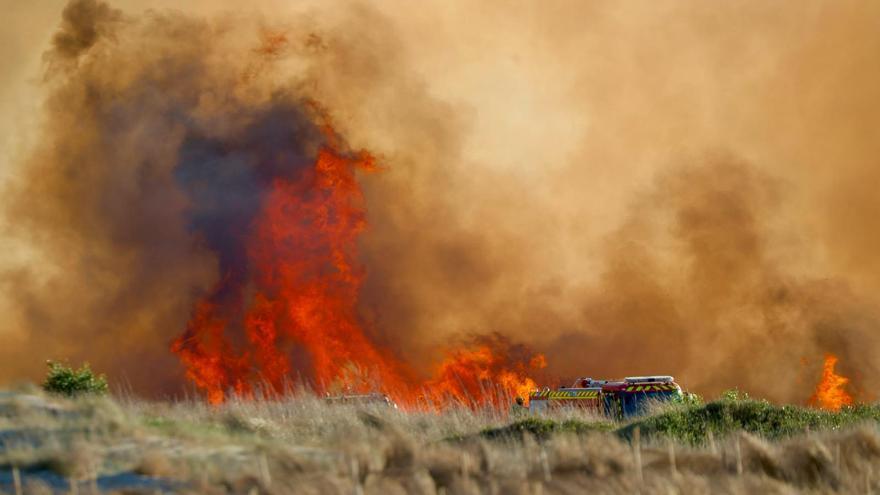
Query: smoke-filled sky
(683, 188)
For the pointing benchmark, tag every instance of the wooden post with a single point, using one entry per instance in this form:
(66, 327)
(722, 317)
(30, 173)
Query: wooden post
(739, 459)
(356, 477)
(637, 454)
(837, 458)
(545, 465)
(673, 469)
(264, 470)
(93, 479)
(16, 480)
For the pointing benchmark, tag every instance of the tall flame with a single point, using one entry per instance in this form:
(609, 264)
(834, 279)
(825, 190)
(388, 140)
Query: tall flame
(308, 280)
(305, 281)
(831, 391)
(297, 301)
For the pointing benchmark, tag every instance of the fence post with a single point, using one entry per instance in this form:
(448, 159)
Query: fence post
(739, 459)
(356, 476)
(545, 464)
(16, 480)
(264, 470)
(637, 454)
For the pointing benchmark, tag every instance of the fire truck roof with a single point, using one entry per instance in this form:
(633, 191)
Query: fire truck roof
(649, 379)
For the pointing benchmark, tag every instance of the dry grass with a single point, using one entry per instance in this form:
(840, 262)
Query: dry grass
(306, 446)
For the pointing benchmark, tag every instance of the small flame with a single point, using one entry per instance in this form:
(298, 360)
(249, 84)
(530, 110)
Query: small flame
(492, 372)
(831, 392)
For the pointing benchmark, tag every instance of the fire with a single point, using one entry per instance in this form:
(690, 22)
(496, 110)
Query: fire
(491, 372)
(210, 362)
(291, 310)
(831, 391)
(304, 281)
(304, 256)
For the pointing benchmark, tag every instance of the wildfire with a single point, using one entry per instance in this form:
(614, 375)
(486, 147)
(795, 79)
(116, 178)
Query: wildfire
(491, 372)
(291, 310)
(831, 391)
(305, 279)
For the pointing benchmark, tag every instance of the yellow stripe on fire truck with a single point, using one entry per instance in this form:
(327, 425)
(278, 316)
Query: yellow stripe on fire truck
(572, 394)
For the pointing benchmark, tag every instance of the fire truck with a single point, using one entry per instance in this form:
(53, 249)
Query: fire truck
(617, 399)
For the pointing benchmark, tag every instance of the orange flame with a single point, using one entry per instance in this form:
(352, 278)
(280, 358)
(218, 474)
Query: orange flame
(830, 392)
(305, 279)
(488, 374)
(296, 307)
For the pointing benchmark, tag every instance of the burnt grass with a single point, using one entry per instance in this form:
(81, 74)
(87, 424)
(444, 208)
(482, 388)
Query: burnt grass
(697, 424)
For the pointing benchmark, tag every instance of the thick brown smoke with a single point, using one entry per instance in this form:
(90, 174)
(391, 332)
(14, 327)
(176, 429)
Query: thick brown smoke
(683, 188)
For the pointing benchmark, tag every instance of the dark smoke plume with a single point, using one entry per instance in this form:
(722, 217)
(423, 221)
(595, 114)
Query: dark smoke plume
(157, 153)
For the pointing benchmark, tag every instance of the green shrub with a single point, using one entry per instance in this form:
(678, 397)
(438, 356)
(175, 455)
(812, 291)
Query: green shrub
(542, 428)
(688, 399)
(67, 381)
(693, 424)
(734, 394)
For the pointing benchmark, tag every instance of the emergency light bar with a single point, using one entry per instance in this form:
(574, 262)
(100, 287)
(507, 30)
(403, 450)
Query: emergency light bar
(648, 379)
(585, 382)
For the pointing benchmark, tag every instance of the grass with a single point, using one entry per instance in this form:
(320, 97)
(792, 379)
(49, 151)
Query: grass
(694, 424)
(544, 428)
(302, 442)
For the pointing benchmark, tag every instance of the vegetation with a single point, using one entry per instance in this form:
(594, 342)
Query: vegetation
(68, 381)
(268, 446)
(693, 424)
(543, 428)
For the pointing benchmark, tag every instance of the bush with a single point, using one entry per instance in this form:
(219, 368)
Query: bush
(543, 428)
(67, 381)
(693, 424)
(688, 399)
(735, 394)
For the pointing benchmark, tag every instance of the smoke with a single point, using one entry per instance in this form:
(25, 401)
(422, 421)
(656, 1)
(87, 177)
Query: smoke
(151, 165)
(697, 279)
(682, 188)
